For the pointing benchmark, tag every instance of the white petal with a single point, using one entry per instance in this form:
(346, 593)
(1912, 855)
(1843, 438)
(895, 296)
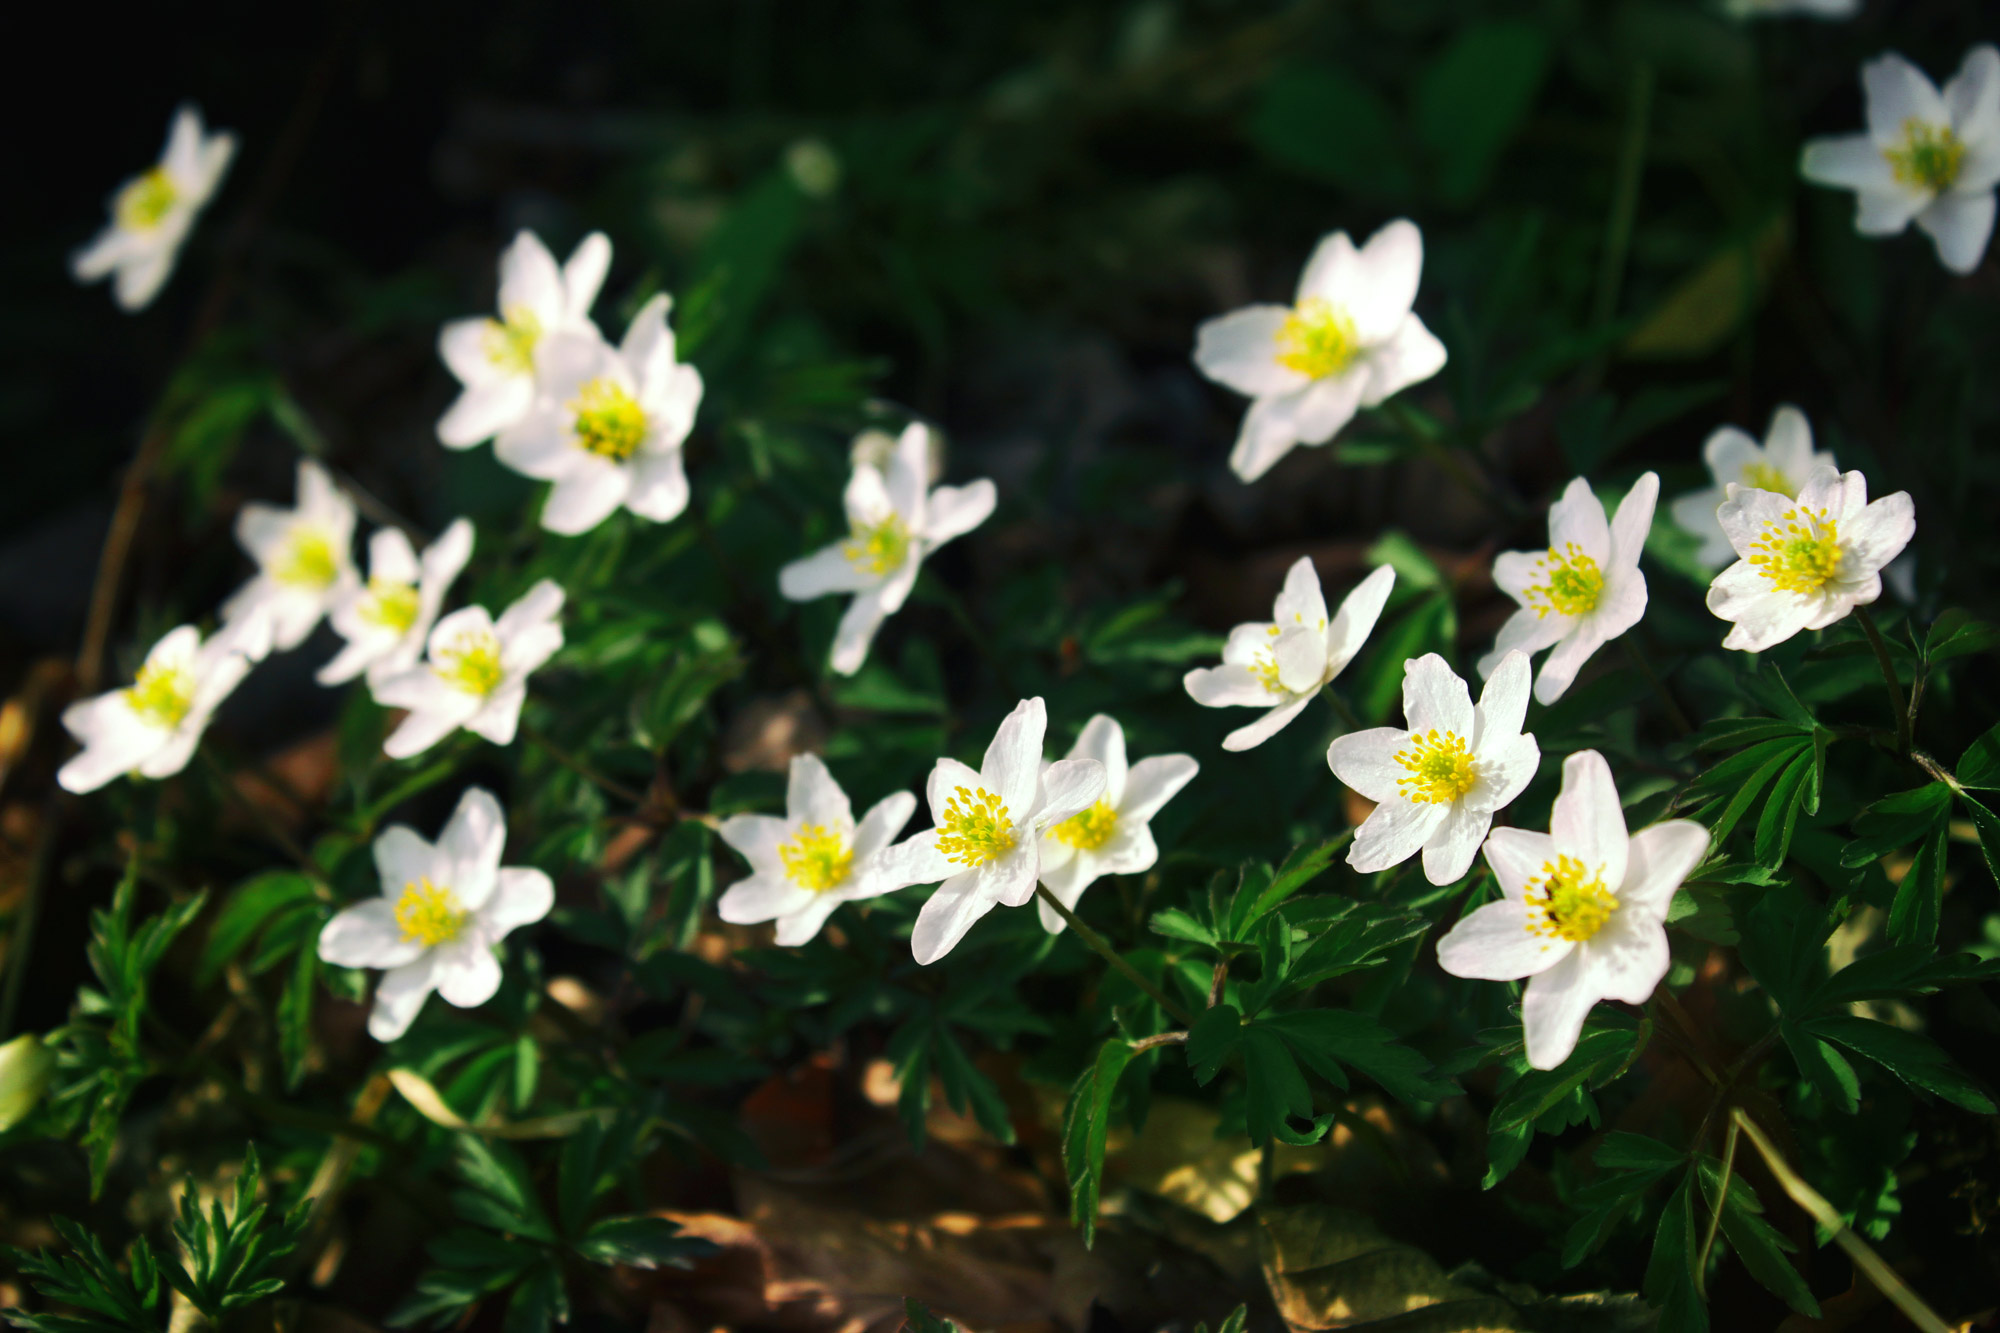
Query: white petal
(756, 838)
(1454, 844)
(1588, 822)
(1355, 621)
(500, 716)
(1503, 702)
(419, 732)
(1240, 351)
(866, 498)
(879, 827)
(1153, 782)
(813, 797)
(536, 608)
(1300, 601)
(658, 486)
(1330, 271)
(366, 935)
(908, 474)
(1434, 698)
(1392, 833)
(1848, 162)
(585, 497)
(1694, 513)
(1103, 739)
(465, 971)
(529, 278)
(1888, 212)
(583, 274)
(1553, 1010)
(141, 276)
(1384, 285)
(827, 570)
(946, 916)
(1559, 668)
(469, 847)
(403, 857)
(522, 895)
(1009, 879)
(1960, 225)
(1066, 882)
(1300, 653)
(398, 997)
(1661, 857)
(1898, 92)
(798, 927)
(1626, 959)
(1634, 520)
(1518, 855)
(856, 631)
(1227, 687)
(1256, 733)
(1366, 761)
(1579, 517)
(761, 898)
(102, 255)
(954, 511)
(1524, 632)
(1324, 406)
(173, 755)
(1494, 943)
(1069, 787)
(948, 777)
(1505, 770)
(1013, 764)
(1878, 535)
(1267, 435)
(1411, 355)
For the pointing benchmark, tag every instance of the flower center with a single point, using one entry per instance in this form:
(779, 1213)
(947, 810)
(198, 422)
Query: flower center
(144, 204)
(1089, 829)
(818, 858)
(1317, 339)
(1568, 901)
(390, 605)
(1571, 586)
(1798, 552)
(609, 421)
(1929, 158)
(1440, 768)
(879, 548)
(308, 561)
(428, 914)
(471, 663)
(976, 832)
(1764, 477)
(510, 342)
(162, 695)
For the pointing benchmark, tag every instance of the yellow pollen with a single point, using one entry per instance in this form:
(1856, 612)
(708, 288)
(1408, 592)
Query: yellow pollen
(390, 605)
(428, 914)
(1317, 339)
(510, 342)
(471, 663)
(1799, 552)
(976, 832)
(1929, 158)
(609, 421)
(1571, 583)
(308, 561)
(1265, 669)
(1568, 901)
(1440, 768)
(162, 694)
(1089, 829)
(145, 203)
(1764, 477)
(878, 548)
(818, 858)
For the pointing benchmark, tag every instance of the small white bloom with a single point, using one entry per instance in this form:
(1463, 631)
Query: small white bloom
(152, 726)
(1584, 911)
(305, 561)
(496, 359)
(475, 674)
(1805, 563)
(1438, 785)
(815, 858)
(1820, 9)
(443, 908)
(895, 520)
(1780, 464)
(1929, 156)
(607, 425)
(387, 620)
(1281, 663)
(1349, 341)
(151, 214)
(1115, 835)
(987, 846)
(1581, 593)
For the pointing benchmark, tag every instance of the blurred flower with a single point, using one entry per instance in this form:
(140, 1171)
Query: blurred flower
(814, 167)
(152, 213)
(443, 908)
(1583, 912)
(987, 846)
(476, 673)
(496, 359)
(1928, 156)
(1438, 785)
(815, 858)
(1805, 563)
(387, 620)
(894, 522)
(1823, 9)
(152, 726)
(1280, 664)
(1115, 835)
(25, 1068)
(1348, 342)
(305, 562)
(1780, 464)
(1581, 593)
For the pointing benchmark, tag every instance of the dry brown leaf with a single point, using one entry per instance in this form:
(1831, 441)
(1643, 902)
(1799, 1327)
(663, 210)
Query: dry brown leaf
(1331, 1268)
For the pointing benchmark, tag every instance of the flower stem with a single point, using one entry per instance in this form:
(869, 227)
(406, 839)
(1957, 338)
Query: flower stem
(1889, 681)
(1110, 955)
(1342, 707)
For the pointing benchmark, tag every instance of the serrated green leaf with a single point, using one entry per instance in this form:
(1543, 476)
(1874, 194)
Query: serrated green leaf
(1086, 1121)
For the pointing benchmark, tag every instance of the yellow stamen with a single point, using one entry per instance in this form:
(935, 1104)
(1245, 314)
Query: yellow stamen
(308, 561)
(1799, 552)
(162, 694)
(977, 832)
(1317, 339)
(1568, 901)
(1764, 477)
(145, 202)
(391, 605)
(1929, 158)
(1089, 829)
(510, 342)
(471, 663)
(878, 548)
(1571, 583)
(1441, 769)
(430, 915)
(818, 858)
(608, 420)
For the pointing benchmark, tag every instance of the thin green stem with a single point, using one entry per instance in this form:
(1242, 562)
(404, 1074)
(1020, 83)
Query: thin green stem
(1341, 707)
(1110, 955)
(1889, 681)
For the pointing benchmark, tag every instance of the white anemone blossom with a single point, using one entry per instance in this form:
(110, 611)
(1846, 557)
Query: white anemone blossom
(1583, 909)
(1281, 663)
(151, 727)
(815, 858)
(1113, 836)
(895, 520)
(387, 620)
(475, 672)
(495, 359)
(442, 909)
(1581, 593)
(1348, 341)
(304, 555)
(607, 425)
(1927, 156)
(152, 213)
(1781, 464)
(1438, 785)
(987, 843)
(1805, 562)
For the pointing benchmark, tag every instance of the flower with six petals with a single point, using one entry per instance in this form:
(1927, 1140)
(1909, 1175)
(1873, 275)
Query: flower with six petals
(1113, 836)
(1781, 464)
(305, 559)
(387, 620)
(152, 213)
(475, 673)
(151, 727)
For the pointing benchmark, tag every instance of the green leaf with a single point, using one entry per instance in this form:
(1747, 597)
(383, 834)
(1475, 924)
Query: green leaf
(1326, 1039)
(1176, 924)
(1290, 125)
(1955, 633)
(1979, 766)
(1781, 809)
(1212, 1039)
(1302, 867)
(921, 1320)
(641, 1242)
(1756, 1242)
(1910, 1056)
(1987, 824)
(1670, 1277)
(1472, 99)
(1896, 821)
(253, 903)
(538, 1302)
(1630, 1166)
(1537, 1096)
(1913, 915)
(1086, 1120)
(295, 1007)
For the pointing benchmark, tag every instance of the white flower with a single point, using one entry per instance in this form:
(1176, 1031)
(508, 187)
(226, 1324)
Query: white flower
(1821, 9)
(305, 562)
(476, 673)
(1928, 156)
(1581, 593)
(607, 425)
(152, 213)
(1780, 464)
(443, 908)
(1349, 341)
(495, 359)
(152, 726)
(1584, 909)
(987, 846)
(1114, 836)
(1806, 562)
(1438, 785)
(387, 620)
(894, 522)
(815, 858)
(1281, 663)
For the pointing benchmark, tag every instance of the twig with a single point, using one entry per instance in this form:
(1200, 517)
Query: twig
(1110, 955)
(1157, 1039)
(1889, 681)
